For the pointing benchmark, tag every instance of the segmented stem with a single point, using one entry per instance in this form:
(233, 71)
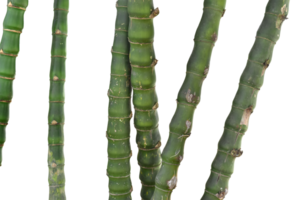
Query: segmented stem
(9, 48)
(143, 61)
(189, 98)
(118, 128)
(245, 100)
(56, 118)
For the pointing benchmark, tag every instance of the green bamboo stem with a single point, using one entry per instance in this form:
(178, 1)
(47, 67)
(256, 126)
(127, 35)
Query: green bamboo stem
(143, 61)
(189, 98)
(9, 48)
(244, 103)
(56, 118)
(118, 128)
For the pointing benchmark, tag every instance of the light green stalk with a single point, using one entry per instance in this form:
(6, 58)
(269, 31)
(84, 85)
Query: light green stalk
(245, 100)
(143, 61)
(56, 118)
(189, 98)
(9, 48)
(118, 128)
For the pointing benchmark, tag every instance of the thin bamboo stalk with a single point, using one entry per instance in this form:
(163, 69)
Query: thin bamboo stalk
(189, 98)
(56, 118)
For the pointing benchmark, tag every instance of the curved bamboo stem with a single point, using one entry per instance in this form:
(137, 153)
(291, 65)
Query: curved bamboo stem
(13, 26)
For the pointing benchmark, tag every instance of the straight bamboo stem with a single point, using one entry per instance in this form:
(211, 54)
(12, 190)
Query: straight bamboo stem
(119, 112)
(56, 101)
(143, 78)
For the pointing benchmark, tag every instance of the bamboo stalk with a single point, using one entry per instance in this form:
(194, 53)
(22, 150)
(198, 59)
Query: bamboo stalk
(189, 98)
(9, 48)
(118, 128)
(251, 82)
(143, 61)
(56, 118)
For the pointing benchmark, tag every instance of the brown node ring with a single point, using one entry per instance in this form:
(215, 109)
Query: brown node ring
(12, 6)
(7, 54)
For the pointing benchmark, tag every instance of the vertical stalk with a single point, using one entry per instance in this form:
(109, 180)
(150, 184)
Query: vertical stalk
(119, 110)
(143, 61)
(56, 118)
(189, 98)
(9, 48)
(244, 103)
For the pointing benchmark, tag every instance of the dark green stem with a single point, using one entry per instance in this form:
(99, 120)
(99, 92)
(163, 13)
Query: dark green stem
(9, 48)
(143, 78)
(118, 128)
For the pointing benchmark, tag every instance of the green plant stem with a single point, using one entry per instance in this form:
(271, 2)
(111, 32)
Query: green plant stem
(9, 48)
(56, 118)
(143, 61)
(244, 102)
(118, 128)
(188, 98)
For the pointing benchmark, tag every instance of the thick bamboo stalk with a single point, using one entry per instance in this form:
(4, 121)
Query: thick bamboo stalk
(118, 128)
(9, 48)
(56, 118)
(189, 98)
(244, 103)
(143, 61)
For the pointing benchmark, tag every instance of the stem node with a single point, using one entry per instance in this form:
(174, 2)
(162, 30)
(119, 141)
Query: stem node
(154, 13)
